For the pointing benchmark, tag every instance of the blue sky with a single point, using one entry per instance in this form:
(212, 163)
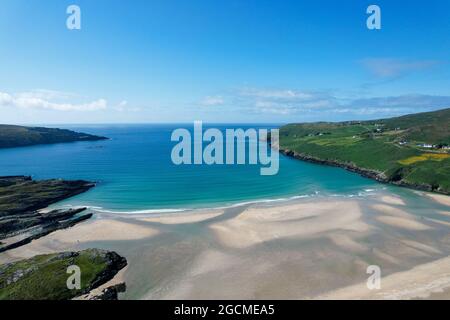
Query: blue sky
(221, 61)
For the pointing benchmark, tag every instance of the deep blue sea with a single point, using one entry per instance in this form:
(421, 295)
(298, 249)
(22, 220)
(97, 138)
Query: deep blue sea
(134, 172)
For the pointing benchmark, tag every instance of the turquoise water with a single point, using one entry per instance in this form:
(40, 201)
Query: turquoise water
(134, 172)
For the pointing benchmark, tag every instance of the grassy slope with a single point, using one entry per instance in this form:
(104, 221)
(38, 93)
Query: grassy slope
(44, 277)
(359, 145)
(18, 136)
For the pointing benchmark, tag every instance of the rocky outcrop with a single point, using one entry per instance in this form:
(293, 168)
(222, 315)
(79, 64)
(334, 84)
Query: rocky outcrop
(379, 176)
(109, 293)
(21, 195)
(43, 231)
(12, 225)
(21, 200)
(46, 277)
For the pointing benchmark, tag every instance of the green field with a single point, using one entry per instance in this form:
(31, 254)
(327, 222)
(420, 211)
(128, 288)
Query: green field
(392, 149)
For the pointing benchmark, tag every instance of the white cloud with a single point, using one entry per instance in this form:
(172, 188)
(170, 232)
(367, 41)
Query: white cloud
(48, 100)
(121, 106)
(212, 101)
(124, 107)
(5, 99)
(389, 68)
(276, 94)
(281, 101)
(409, 102)
(47, 94)
(325, 104)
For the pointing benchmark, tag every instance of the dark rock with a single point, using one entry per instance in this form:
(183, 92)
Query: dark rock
(47, 229)
(60, 214)
(20, 200)
(109, 293)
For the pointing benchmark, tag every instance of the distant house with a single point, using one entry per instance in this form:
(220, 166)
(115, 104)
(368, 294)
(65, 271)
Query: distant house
(426, 145)
(322, 133)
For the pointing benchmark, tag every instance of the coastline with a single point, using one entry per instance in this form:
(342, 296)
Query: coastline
(367, 173)
(23, 203)
(281, 249)
(218, 205)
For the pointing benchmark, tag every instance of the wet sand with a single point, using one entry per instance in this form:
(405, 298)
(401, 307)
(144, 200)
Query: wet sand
(316, 248)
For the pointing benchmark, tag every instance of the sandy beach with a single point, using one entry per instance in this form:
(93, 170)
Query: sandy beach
(317, 248)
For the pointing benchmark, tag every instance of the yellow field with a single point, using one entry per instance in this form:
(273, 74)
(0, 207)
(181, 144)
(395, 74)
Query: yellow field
(425, 157)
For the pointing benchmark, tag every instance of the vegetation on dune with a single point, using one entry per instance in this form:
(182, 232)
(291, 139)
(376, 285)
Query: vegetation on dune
(18, 136)
(411, 150)
(45, 277)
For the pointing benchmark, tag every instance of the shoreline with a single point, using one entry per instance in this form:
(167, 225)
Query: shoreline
(269, 247)
(165, 211)
(367, 173)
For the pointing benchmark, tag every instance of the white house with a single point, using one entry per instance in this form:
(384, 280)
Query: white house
(426, 145)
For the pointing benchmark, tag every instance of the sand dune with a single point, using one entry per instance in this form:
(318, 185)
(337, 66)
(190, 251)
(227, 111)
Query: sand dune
(104, 230)
(392, 200)
(403, 223)
(392, 211)
(255, 226)
(442, 199)
(418, 282)
(182, 218)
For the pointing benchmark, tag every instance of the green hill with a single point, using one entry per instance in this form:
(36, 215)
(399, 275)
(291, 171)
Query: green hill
(45, 277)
(411, 150)
(18, 136)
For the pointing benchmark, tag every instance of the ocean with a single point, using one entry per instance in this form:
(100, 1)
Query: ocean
(135, 173)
